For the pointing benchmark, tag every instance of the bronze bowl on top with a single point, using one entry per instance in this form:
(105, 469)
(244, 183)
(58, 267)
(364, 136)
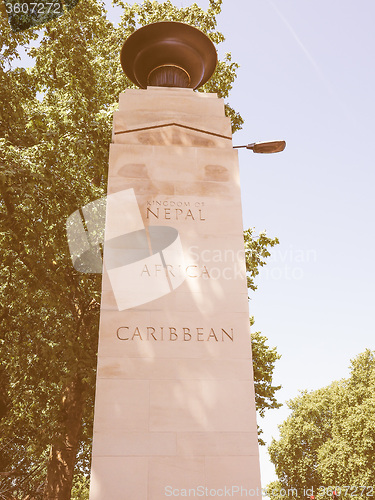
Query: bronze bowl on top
(168, 54)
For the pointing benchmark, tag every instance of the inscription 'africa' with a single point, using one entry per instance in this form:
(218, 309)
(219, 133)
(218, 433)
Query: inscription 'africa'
(190, 271)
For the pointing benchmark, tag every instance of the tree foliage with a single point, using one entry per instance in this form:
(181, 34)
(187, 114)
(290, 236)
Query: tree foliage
(55, 130)
(264, 359)
(256, 251)
(329, 438)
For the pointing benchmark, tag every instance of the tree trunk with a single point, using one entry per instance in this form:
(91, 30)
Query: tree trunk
(63, 452)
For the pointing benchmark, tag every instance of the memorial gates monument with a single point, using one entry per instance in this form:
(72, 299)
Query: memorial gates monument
(175, 404)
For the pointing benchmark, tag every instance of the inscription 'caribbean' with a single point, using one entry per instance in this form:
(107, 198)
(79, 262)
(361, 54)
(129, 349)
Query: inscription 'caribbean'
(171, 334)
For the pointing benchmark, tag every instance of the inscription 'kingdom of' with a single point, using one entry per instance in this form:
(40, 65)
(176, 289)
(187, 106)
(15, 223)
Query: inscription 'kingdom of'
(171, 334)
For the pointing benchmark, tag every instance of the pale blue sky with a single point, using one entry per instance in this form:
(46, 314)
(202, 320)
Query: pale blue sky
(307, 76)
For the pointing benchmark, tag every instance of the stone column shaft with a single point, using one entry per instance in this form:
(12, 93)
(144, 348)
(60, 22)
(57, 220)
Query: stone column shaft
(175, 403)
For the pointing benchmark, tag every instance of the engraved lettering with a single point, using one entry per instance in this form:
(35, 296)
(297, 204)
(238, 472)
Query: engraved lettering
(149, 211)
(227, 334)
(170, 270)
(193, 274)
(212, 335)
(145, 270)
(119, 334)
(151, 331)
(205, 272)
(137, 333)
(183, 334)
(174, 210)
(199, 334)
(172, 332)
(187, 334)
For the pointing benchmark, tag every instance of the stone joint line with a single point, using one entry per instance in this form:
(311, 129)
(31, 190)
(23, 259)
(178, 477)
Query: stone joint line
(177, 125)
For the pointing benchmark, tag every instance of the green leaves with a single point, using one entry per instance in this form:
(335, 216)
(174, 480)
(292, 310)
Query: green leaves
(329, 438)
(55, 131)
(48, 161)
(264, 359)
(256, 251)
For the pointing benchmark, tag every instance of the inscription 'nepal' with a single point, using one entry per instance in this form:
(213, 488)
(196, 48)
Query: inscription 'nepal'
(175, 214)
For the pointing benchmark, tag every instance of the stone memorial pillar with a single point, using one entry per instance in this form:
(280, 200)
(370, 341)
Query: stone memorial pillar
(175, 405)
